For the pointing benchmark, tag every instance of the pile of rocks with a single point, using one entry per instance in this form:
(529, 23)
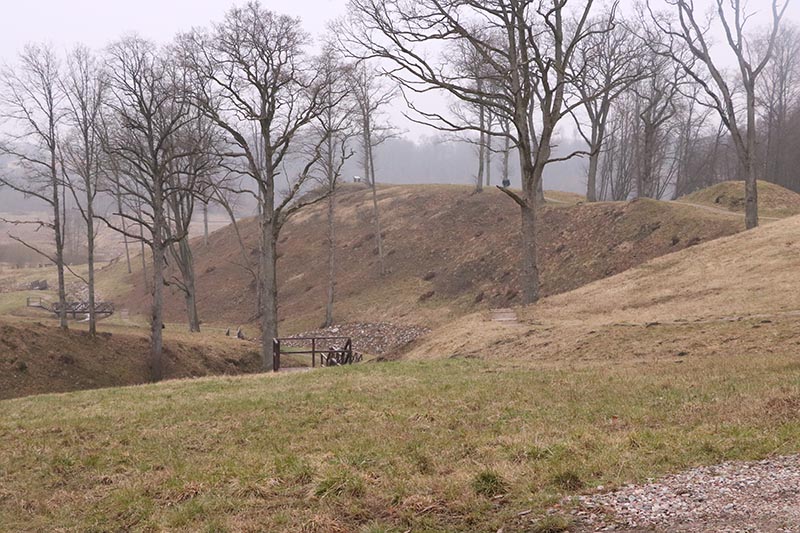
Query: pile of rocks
(729, 497)
(78, 291)
(371, 338)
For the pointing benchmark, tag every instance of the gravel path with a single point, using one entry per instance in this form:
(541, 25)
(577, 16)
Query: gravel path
(762, 496)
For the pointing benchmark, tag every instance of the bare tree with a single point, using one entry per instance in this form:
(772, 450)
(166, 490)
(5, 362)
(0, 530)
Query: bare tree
(686, 29)
(149, 113)
(693, 168)
(32, 105)
(618, 163)
(189, 181)
(657, 104)
(778, 92)
(372, 95)
(84, 86)
(253, 83)
(335, 127)
(530, 48)
(611, 63)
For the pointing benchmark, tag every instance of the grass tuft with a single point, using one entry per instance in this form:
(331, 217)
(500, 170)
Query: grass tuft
(489, 483)
(568, 480)
(341, 482)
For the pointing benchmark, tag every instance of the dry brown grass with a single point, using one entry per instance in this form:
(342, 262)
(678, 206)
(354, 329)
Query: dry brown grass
(450, 253)
(36, 357)
(773, 200)
(734, 293)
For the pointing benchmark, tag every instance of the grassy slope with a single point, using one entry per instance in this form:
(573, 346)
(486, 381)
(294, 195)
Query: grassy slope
(429, 446)
(36, 357)
(465, 244)
(689, 359)
(773, 200)
(745, 276)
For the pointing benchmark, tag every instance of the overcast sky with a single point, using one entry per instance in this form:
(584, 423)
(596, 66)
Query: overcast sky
(95, 23)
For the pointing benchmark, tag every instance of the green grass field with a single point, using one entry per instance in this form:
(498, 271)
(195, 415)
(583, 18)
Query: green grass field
(455, 445)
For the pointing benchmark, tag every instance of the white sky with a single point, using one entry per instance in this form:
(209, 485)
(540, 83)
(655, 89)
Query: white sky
(95, 23)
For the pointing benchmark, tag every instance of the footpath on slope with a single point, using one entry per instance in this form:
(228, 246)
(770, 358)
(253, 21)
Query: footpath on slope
(721, 211)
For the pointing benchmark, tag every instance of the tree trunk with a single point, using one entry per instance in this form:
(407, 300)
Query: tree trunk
(489, 154)
(268, 270)
(506, 154)
(378, 230)
(59, 241)
(594, 160)
(90, 257)
(751, 185)
(375, 209)
(481, 141)
(331, 261)
(186, 266)
(205, 223)
(591, 181)
(539, 193)
(529, 277)
(124, 229)
(157, 319)
(141, 241)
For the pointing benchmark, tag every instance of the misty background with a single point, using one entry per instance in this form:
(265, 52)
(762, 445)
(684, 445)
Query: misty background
(417, 154)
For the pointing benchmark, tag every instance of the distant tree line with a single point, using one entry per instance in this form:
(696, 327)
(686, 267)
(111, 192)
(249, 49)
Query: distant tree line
(239, 109)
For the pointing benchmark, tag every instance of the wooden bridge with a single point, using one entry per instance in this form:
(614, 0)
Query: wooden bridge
(74, 309)
(339, 350)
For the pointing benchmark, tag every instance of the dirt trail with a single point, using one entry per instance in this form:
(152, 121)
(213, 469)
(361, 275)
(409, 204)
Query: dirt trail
(721, 211)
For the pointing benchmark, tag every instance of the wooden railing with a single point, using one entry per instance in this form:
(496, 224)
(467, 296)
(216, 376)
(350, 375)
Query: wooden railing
(330, 355)
(101, 309)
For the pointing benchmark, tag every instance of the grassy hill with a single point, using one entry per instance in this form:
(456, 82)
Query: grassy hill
(687, 359)
(773, 200)
(722, 297)
(450, 253)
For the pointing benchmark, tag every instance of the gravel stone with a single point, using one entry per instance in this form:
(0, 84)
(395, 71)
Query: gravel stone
(371, 338)
(732, 497)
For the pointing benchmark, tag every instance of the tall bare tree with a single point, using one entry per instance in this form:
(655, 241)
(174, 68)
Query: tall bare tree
(33, 106)
(372, 94)
(190, 182)
(611, 63)
(335, 127)
(530, 48)
(686, 29)
(778, 96)
(149, 115)
(254, 82)
(84, 86)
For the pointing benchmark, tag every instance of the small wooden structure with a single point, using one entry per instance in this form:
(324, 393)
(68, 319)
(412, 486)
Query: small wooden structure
(329, 355)
(101, 309)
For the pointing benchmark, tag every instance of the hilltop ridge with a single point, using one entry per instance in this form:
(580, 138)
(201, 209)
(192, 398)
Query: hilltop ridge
(450, 252)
